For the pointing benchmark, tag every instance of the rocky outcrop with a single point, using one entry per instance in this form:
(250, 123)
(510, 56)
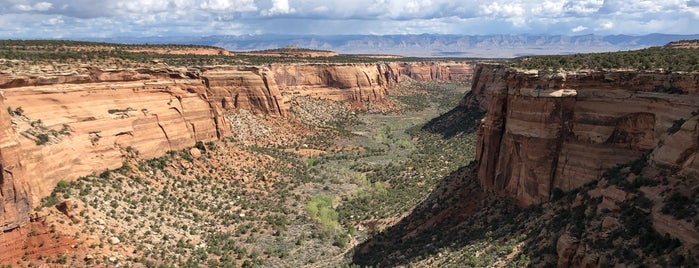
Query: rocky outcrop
(562, 130)
(72, 130)
(361, 83)
(444, 71)
(59, 126)
(677, 149)
(352, 82)
(231, 87)
(183, 50)
(292, 53)
(249, 88)
(15, 203)
(83, 75)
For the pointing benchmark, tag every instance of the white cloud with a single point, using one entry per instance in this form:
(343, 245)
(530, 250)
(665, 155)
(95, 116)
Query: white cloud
(606, 25)
(42, 18)
(54, 21)
(40, 6)
(580, 28)
(142, 6)
(548, 8)
(512, 12)
(278, 7)
(583, 7)
(228, 5)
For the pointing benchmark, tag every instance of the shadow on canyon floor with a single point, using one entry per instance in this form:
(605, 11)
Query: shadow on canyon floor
(459, 120)
(457, 216)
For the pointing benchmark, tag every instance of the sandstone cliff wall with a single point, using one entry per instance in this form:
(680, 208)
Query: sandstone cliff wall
(548, 131)
(249, 88)
(354, 82)
(15, 202)
(63, 126)
(362, 82)
(74, 130)
(431, 71)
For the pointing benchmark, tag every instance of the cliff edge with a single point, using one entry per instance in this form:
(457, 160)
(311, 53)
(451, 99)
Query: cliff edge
(547, 131)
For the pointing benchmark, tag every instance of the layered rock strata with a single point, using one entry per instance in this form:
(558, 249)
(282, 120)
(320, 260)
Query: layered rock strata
(60, 127)
(430, 71)
(562, 130)
(353, 82)
(361, 83)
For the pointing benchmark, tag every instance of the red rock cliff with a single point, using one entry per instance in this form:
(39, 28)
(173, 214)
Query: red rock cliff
(250, 88)
(361, 83)
(64, 126)
(353, 82)
(547, 131)
(445, 71)
(15, 200)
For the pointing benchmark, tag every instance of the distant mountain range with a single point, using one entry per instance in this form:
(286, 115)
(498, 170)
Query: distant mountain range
(427, 45)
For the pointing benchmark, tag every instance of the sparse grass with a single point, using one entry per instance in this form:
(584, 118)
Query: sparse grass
(654, 58)
(63, 55)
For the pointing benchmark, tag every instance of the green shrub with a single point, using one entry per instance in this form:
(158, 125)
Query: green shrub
(320, 209)
(679, 206)
(50, 200)
(676, 126)
(42, 139)
(653, 58)
(62, 186)
(126, 110)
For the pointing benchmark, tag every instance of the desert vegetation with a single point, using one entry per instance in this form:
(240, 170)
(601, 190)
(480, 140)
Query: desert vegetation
(62, 56)
(649, 59)
(247, 201)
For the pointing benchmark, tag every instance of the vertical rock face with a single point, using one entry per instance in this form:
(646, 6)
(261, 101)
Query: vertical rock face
(71, 130)
(543, 132)
(15, 203)
(430, 71)
(55, 131)
(678, 150)
(353, 82)
(361, 82)
(250, 88)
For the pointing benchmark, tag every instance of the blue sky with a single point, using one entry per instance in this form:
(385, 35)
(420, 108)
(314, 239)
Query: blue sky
(144, 18)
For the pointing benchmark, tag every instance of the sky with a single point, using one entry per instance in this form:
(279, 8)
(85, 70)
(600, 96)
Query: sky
(48, 19)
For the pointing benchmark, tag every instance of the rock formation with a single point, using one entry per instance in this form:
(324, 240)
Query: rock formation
(354, 82)
(250, 88)
(429, 71)
(14, 191)
(59, 126)
(562, 130)
(62, 127)
(362, 83)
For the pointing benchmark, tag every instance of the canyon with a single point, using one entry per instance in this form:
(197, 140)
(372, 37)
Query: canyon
(60, 126)
(571, 169)
(565, 161)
